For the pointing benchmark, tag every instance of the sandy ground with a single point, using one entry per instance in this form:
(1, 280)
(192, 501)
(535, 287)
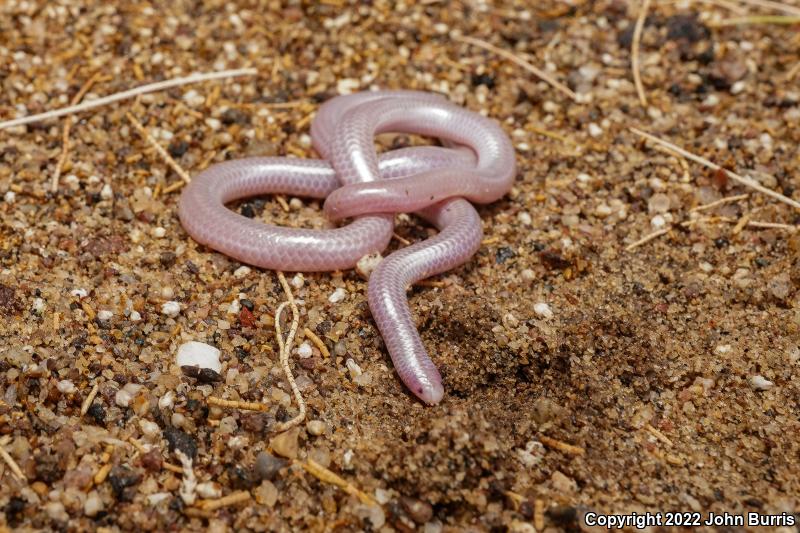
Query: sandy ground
(582, 373)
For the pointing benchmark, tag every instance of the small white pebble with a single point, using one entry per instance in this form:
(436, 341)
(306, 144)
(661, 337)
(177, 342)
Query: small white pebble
(296, 203)
(337, 296)
(171, 308)
(106, 193)
(723, 349)
(658, 222)
(760, 383)
(124, 396)
(158, 497)
(347, 85)
(199, 354)
(543, 310)
(213, 123)
(167, 292)
(711, 100)
(528, 274)
(705, 266)
(595, 130)
(234, 307)
(9, 197)
(209, 490)
(38, 305)
(353, 368)
(304, 350)
(584, 178)
(66, 387)
(93, 504)
(305, 140)
(603, 211)
(367, 264)
(167, 401)
(135, 316)
(525, 218)
(241, 272)
(158, 232)
(738, 87)
(79, 293)
(316, 427)
(104, 314)
(297, 281)
(149, 429)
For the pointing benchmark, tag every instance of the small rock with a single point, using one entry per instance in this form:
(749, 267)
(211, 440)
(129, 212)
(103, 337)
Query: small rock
(200, 355)
(125, 395)
(171, 309)
(347, 85)
(166, 401)
(268, 466)
(367, 264)
(149, 429)
(419, 511)
(178, 440)
(353, 368)
(337, 296)
(159, 232)
(266, 494)
(209, 490)
(595, 130)
(135, 316)
(106, 193)
(297, 281)
(658, 203)
(66, 387)
(304, 351)
(760, 383)
(543, 310)
(316, 427)
(104, 315)
(241, 272)
(562, 483)
(93, 504)
(285, 444)
(373, 513)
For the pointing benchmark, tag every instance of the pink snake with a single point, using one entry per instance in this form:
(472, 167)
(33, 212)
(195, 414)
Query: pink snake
(477, 164)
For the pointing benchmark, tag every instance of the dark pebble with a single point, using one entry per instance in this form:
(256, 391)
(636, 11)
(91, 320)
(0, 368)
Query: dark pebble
(122, 478)
(178, 440)
(167, 259)
(203, 375)
(178, 148)
(503, 254)
(13, 509)
(235, 116)
(97, 412)
(241, 479)
(151, 460)
(267, 465)
(686, 27)
(483, 79)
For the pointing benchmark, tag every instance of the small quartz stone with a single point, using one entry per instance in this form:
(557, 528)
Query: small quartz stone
(760, 383)
(543, 310)
(316, 427)
(171, 309)
(199, 354)
(337, 296)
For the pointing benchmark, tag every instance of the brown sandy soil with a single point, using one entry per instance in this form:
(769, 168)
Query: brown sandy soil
(664, 377)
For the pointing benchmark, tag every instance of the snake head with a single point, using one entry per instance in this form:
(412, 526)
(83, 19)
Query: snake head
(430, 393)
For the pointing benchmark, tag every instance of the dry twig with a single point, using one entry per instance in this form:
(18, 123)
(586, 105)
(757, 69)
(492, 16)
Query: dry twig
(647, 238)
(555, 444)
(657, 434)
(65, 144)
(89, 399)
(721, 201)
(748, 182)
(777, 6)
(236, 404)
(544, 76)
(230, 499)
(12, 464)
(317, 342)
(637, 38)
(327, 476)
(143, 89)
(757, 19)
(160, 149)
